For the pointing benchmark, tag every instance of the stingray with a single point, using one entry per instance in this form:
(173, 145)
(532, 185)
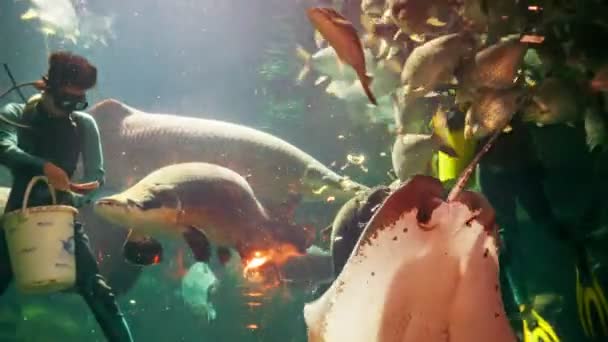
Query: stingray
(423, 270)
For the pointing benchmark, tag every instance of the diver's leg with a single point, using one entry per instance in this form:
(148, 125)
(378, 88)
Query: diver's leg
(96, 292)
(532, 197)
(10, 310)
(6, 271)
(497, 188)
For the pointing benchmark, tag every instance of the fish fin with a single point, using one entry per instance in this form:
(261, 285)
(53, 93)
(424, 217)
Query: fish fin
(441, 133)
(319, 39)
(366, 82)
(321, 79)
(224, 255)
(306, 57)
(140, 249)
(433, 21)
(302, 74)
(398, 34)
(342, 22)
(30, 14)
(418, 38)
(198, 243)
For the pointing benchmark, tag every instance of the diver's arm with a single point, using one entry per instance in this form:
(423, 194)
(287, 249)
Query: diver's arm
(10, 154)
(92, 158)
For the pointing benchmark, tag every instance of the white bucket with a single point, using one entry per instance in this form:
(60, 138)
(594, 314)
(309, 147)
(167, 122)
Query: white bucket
(41, 244)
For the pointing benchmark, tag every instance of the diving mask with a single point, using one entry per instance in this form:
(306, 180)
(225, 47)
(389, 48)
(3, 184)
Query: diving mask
(70, 103)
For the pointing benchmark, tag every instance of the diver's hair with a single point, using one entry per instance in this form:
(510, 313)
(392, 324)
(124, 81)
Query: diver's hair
(68, 69)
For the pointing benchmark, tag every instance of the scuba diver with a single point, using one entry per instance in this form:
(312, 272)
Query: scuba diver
(511, 173)
(46, 136)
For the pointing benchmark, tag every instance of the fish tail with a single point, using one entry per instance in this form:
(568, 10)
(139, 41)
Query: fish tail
(366, 81)
(441, 133)
(306, 57)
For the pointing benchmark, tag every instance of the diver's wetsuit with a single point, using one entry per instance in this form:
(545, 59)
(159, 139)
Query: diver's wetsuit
(60, 141)
(509, 173)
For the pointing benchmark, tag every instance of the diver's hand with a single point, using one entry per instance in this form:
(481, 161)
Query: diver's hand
(57, 177)
(84, 187)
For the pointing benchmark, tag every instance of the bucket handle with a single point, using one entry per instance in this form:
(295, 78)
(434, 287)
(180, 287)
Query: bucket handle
(30, 185)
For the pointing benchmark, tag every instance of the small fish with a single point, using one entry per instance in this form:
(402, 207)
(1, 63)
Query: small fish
(325, 62)
(495, 66)
(412, 153)
(491, 111)
(433, 63)
(342, 36)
